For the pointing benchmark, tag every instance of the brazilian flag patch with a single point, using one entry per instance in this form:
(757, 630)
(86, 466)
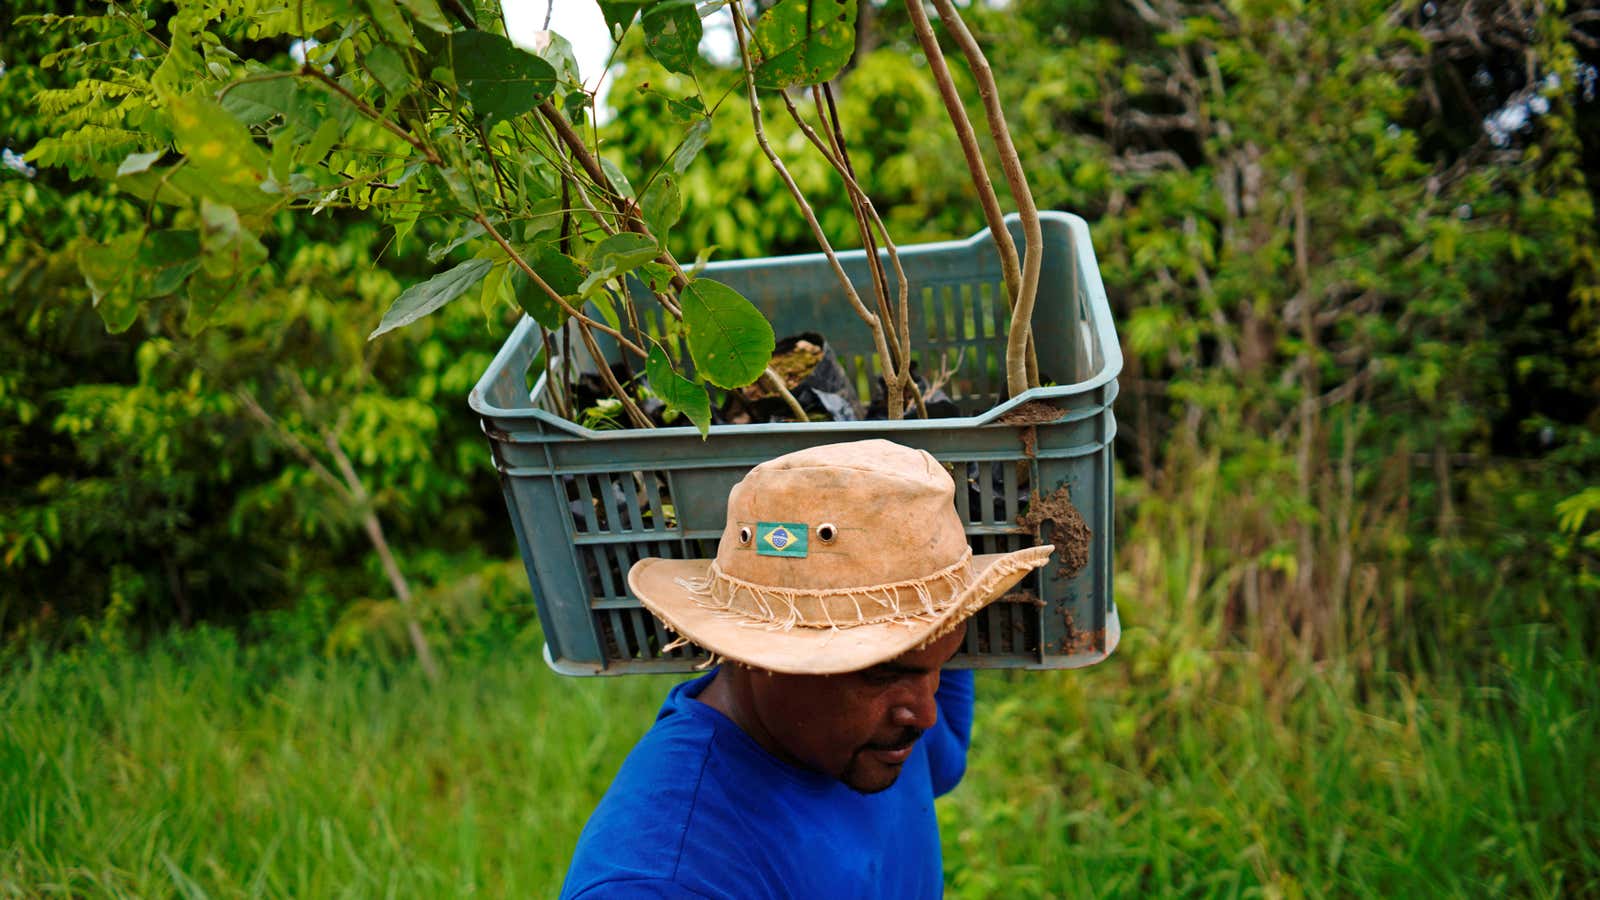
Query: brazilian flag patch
(781, 538)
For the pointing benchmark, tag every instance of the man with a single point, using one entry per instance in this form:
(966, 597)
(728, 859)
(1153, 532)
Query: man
(806, 765)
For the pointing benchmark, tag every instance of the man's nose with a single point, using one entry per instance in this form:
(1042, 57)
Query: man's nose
(917, 709)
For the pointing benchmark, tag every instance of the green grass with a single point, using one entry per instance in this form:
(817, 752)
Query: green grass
(186, 770)
(202, 767)
(1119, 783)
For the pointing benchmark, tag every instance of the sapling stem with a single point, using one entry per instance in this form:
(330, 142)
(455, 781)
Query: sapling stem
(555, 393)
(635, 415)
(776, 381)
(1017, 345)
(1010, 267)
(878, 326)
(903, 284)
(896, 371)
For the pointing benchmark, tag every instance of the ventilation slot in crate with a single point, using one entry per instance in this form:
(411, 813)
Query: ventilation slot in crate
(1003, 629)
(620, 502)
(635, 634)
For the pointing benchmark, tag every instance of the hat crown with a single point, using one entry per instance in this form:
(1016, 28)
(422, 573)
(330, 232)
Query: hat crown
(889, 510)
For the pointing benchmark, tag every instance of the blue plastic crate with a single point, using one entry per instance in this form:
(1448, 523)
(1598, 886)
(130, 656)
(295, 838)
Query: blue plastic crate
(587, 504)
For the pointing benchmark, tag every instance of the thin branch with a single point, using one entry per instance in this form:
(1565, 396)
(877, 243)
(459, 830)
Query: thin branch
(628, 209)
(556, 393)
(833, 153)
(902, 282)
(391, 568)
(552, 293)
(639, 419)
(353, 493)
(293, 444)
(367, 110)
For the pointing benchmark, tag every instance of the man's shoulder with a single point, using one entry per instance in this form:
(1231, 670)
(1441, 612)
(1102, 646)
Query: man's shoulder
(676, 780)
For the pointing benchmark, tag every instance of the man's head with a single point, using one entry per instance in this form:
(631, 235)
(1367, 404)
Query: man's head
(858, 727)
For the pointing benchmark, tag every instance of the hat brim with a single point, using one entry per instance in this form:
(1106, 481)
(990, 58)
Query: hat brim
(816, 651)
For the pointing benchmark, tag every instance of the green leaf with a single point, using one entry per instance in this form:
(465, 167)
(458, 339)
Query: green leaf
(493, 283)
(167, 258)
(593, 282)
(254, 102)
(541, 216)
(108, 269)
(730, 340)
(800, 42)
(428, 13)
(230, 251)
(502, 80)
(672, 34)
(323, 140)
(661, 206)
(656, 276)
(557, 51)
(678, 392)
(387, 16)
(138, 162)
(389, 67)
(561, 273)
(442, 249)
(182, 185)
(421, 299)
(622, 252)
(603, 304)
(619, 15)
(694, 140)
(206, 295)
(215, 143)
(619, 181)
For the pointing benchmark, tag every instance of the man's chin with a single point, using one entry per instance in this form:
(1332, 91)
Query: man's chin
(870, 779)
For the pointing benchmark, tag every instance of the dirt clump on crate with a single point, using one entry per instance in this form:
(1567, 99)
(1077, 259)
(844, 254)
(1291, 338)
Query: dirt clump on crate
(1020, 595)
(1076, 640)
(1069, 532)
(1034, 412)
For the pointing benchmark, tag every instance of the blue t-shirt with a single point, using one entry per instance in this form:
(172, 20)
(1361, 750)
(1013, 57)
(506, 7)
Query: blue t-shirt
(700, 809)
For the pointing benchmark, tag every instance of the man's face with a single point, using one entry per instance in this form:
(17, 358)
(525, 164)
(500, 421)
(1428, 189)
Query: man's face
(859, 727)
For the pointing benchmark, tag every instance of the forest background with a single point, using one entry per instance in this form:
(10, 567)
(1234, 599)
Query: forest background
(1351, 251)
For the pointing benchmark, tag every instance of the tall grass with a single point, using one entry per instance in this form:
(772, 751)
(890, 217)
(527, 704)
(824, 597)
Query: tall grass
(184, 770)
(1164, 779)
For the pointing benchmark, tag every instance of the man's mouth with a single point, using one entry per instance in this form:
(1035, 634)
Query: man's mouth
(894, 753)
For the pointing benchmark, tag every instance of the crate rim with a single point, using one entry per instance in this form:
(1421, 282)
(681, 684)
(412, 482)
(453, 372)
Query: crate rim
(1086, 266)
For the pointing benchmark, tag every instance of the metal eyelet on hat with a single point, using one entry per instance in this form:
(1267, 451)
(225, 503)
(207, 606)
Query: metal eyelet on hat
(826, 532)
(744, 535)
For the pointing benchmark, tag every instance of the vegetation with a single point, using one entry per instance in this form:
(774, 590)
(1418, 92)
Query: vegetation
(207, 765)
(1350, 246)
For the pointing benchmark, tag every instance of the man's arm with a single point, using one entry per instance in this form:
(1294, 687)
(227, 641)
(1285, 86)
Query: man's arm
(947, 741)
